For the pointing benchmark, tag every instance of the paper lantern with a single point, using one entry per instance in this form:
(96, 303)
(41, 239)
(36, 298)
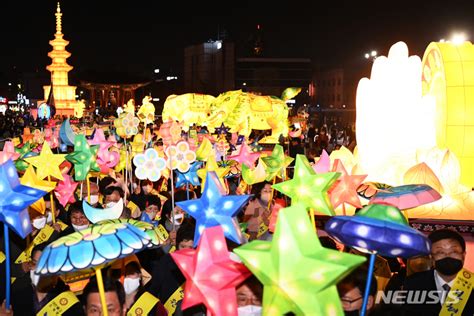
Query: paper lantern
(212, 165)
(8, 152)
(95, 215)
(83, 157)
(189, 177)
(245, 156)
(299, 275)
(214, 208)
(211, 275)
(149, 165)
(146, 113)
(31, 180)
(66, 134)
(345, 188)
(24, 152)
(323, 164)
(422, 174)
(180, 156)
(257, 175)
(391, 98)
(126, 125)
(204, 150)
(276, 163)
(64, 191)
(47, 163)
(308, 188)
(448, 77)
(189, 108)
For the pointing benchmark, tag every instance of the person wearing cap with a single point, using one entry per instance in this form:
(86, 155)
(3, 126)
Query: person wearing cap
(448, 280)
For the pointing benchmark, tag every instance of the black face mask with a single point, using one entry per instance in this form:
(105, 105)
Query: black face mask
(352, 313)
(448, 265)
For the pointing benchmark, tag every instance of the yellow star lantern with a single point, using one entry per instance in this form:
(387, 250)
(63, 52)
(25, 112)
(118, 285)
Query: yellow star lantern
(204, 150)
(47, 163)
(211, 165)
(31, 179)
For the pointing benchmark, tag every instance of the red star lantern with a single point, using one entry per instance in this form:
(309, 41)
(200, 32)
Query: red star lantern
(211, 276)
(345, 188)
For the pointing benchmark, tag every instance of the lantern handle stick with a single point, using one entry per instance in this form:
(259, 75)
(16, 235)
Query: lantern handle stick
(51, 199)
(6, 239)
(368, 283)
(100, 284)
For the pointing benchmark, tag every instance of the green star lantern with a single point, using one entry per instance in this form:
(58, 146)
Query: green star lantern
(309, 188)
(20, 163)
(276, 163)
(299, 275)
(83, 158)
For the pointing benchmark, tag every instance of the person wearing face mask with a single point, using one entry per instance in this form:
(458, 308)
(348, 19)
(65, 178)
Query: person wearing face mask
(351, 291)
(448, 251)
(258, 210)
(42, 295)
(249, 297)
(77, 218)
(94, 194)
(145, 194)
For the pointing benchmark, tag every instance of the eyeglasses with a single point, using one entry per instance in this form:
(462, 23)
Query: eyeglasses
(443, 254)
(349, 302)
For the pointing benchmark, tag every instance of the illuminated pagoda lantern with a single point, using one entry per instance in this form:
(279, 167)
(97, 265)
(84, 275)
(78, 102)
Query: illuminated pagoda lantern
(63, 94)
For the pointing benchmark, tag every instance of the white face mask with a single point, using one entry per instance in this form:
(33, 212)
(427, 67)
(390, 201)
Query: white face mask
(178, 219)
(94, 199)
(34, 278)
(130, 285)
(79, 227)
(249, 310)
(49, 218)
(39, 222)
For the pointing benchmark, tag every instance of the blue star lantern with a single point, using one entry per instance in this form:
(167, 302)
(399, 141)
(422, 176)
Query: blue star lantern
(214, 208)
(15, 199)
(222, 130)
(190, 177)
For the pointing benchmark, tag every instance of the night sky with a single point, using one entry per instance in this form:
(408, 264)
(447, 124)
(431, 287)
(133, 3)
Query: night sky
(138, 36)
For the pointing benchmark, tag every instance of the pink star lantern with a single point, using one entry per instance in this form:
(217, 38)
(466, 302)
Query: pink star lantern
(8, 152)
(99, 139)
(245, 156)
(211, 275)
(65, 190)
(345, 188)
(107, 159)
(322, 165)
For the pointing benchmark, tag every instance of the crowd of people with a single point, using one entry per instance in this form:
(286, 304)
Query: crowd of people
(150, 280)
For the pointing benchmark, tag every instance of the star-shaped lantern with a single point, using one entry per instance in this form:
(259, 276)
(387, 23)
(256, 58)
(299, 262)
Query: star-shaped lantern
(83, 157)
(309, 188)
(345, 189)
(189, 177)
(323, 164)
(276, 163)
(24, 152)
(47, 163)
(15, 199)
(100, 140)
(299, 275)
(212, 165)
(65, 190)
(258, 174)
(245, 156)
(222, 130)
(31, 179)
(214, 208)
(8, 152)
(211, 275)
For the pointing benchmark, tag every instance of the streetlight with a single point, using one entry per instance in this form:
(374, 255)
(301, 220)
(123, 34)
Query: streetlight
(372, 55)
(156, 71)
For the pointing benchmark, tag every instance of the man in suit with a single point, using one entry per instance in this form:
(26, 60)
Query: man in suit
(448, 251)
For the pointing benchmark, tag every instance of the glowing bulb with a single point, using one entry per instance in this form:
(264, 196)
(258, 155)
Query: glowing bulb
(458, 38)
